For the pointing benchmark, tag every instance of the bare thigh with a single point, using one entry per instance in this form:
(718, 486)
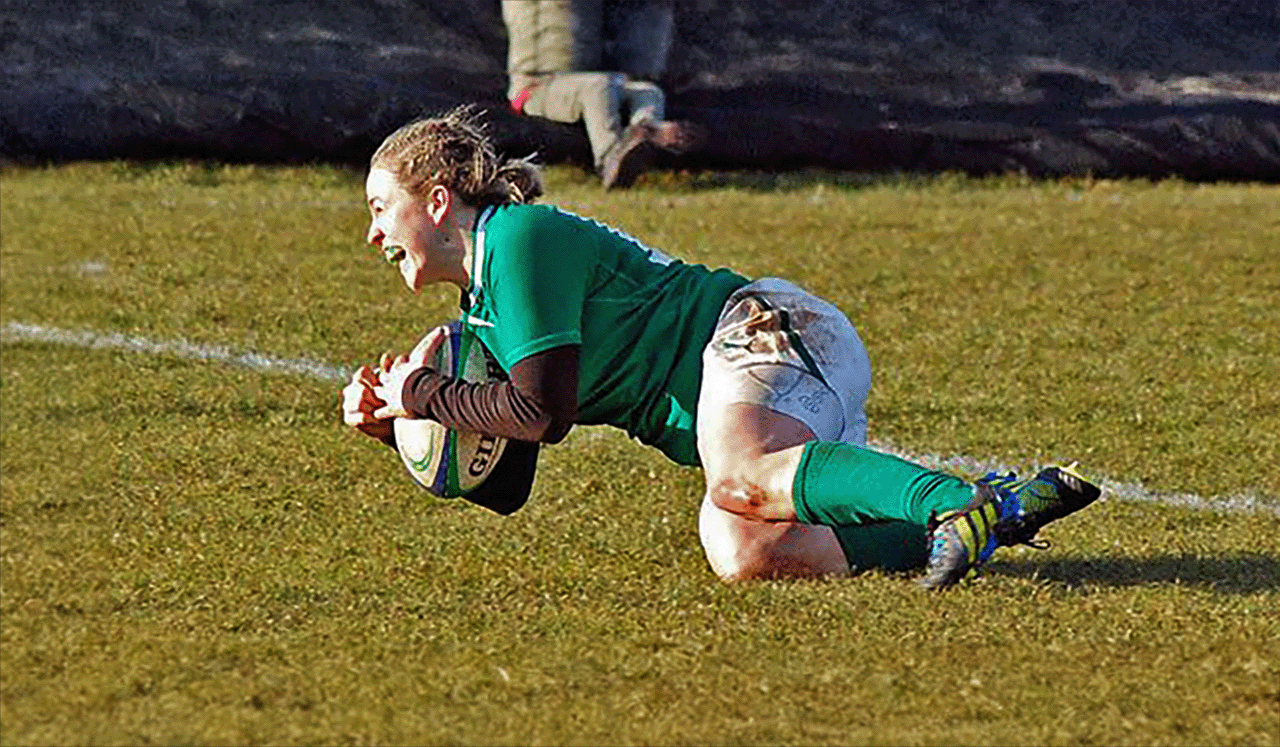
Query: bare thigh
(783, 368)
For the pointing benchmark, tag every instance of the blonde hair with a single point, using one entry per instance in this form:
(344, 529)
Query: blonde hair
(454, 150)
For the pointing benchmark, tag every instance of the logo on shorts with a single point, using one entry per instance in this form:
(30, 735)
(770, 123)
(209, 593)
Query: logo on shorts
(812, 402)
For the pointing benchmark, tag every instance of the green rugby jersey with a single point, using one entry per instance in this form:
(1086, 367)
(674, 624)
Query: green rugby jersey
(543, 278)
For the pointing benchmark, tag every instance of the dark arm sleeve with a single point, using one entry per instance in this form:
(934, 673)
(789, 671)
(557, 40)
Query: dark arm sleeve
(539, 403)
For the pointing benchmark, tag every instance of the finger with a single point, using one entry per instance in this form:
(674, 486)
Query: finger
(359, 398)
(366, 375)
(390, 361)
(356, 418)
(431, 343)
(351, 395)
(369, 401)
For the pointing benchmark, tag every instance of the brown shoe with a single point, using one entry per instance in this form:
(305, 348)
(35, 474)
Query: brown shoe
(630, 157)
(677, 137)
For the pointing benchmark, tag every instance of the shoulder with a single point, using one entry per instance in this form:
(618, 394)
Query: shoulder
(541, 227)
(523, 218)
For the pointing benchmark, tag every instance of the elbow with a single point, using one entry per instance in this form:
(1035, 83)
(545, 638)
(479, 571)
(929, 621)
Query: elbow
(556, 424)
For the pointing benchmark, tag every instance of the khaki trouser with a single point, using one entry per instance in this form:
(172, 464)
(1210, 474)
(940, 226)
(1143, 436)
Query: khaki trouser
(600, 100)
(632, 37)
(589, 60)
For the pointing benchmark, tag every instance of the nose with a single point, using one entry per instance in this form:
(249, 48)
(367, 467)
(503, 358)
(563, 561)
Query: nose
(375, 235)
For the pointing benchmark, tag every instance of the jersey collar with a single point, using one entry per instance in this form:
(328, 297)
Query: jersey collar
(478, 255)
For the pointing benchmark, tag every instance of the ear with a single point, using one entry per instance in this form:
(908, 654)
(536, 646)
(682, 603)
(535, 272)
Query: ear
(439, 200)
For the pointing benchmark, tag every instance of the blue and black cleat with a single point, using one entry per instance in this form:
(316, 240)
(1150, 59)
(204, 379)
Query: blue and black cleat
(1003, 512)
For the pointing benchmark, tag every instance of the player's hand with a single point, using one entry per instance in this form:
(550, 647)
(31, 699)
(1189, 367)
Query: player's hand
(390, 389)
(394, 370)
(359, 403)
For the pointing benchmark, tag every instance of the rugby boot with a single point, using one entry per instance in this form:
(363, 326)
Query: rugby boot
(1053, 493)
(960, 541)
(1003, 512)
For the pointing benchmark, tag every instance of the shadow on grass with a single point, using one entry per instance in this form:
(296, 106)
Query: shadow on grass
(1235, 574)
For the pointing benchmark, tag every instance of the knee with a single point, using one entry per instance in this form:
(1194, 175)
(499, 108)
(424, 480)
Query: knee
(733, 560)
(738, 495)
(601, 90)
(742, 571)
(746, 561)
(646, 102)
(759, 494)
(732, 544)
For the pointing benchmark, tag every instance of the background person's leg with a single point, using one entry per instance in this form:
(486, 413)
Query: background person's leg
(644, 102)
(595, 99)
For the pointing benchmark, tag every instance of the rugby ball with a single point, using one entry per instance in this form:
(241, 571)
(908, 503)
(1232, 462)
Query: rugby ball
(447, 462)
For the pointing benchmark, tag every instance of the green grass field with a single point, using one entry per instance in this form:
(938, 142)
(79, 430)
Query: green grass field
(198, 552)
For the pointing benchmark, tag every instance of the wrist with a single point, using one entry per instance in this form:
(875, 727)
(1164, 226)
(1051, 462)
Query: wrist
(415, 394)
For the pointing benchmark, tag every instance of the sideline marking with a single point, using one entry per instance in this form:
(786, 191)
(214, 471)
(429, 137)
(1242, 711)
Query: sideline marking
(1127, 491)
(1243, 502)
(16, 331)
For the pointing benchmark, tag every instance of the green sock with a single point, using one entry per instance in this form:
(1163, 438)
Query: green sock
(890, 545)
(838, 484)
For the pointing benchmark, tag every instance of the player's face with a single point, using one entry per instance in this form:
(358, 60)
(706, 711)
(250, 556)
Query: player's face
(406, 231)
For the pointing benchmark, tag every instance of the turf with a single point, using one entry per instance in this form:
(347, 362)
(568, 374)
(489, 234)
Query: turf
(195, 552)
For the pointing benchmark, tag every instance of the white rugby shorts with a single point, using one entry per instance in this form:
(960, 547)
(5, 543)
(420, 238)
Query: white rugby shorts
(782, 347)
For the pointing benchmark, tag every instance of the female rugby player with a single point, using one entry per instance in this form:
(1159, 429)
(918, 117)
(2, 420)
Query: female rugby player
(756, 380)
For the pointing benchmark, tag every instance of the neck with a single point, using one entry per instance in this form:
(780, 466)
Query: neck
(463, 218)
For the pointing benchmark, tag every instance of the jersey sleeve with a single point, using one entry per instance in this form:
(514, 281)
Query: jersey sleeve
(538, 268)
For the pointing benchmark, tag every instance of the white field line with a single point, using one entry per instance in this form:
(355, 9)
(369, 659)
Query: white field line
(16, 331)
(1244, 502)
(1126, 491)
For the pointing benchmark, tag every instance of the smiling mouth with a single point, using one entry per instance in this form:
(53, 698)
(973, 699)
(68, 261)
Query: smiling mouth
(393, 254)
